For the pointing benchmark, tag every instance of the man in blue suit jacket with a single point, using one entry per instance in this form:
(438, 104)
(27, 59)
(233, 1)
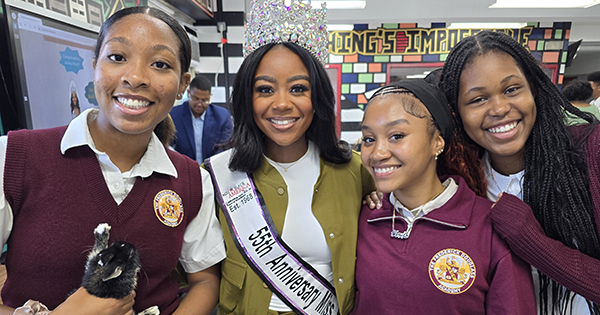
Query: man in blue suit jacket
(200, 125)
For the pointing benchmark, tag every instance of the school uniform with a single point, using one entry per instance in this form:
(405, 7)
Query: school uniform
(449, 262)
(569, 267)
(57, 187)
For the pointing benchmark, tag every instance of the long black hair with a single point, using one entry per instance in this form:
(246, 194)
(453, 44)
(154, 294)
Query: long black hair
(556, 182)
(248, 140)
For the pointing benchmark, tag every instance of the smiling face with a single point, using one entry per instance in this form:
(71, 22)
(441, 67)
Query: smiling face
(399, 148)
(137, 75)
(198, 100)
(282, 103)
(497, 108)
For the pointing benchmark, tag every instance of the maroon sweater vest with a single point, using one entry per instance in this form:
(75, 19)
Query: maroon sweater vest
(58, 200)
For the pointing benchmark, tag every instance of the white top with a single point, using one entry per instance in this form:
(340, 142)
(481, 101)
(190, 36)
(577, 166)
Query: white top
(301, 230)
(596, 102)
(513, 185)
(410, 215)
(203, 244)
(198, 124)
(497, 183)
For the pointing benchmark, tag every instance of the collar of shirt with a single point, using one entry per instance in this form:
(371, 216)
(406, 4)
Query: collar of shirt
(155, 159)
(497, 183)
(449, 191)
(194, 116)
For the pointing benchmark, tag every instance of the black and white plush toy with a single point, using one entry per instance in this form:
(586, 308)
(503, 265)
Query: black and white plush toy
(111, 271)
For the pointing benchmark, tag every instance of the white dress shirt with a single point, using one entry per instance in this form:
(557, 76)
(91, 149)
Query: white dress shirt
(203, 244)
(410, 215)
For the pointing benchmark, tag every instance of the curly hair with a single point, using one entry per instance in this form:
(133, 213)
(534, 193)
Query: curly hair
(555, 183)
(248, 140)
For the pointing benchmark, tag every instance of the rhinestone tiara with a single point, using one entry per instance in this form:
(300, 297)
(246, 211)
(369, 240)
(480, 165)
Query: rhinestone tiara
(299, 23)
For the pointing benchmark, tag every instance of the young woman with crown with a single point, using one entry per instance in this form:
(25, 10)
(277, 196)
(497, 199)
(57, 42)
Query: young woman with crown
(290, 192)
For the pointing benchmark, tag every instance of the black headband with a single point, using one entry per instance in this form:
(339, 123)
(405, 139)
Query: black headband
(432, 98)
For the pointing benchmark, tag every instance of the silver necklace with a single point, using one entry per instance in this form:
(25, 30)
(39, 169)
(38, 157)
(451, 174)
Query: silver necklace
(395, 233)
(404, 235)
(286, 168)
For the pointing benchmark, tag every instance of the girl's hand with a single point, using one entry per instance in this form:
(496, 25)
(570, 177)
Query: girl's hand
(373, 200)
(499, 196)
(83, 303)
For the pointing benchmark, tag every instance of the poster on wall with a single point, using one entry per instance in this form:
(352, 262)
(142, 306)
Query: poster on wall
(370, 58)
(55, 69)
(92, 12)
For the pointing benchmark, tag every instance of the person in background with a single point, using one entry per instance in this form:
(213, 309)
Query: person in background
(109, 166)
(201, 126)
(290, 191)
(509, 110)
(432, 242)
(594, 79)
(579, 92)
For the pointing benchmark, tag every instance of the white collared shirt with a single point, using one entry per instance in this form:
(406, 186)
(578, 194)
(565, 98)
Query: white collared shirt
(155, 159)
(450, 189)
(596, 102)
(203, 244)
(198, 124)
(513, 184)
(498, 183)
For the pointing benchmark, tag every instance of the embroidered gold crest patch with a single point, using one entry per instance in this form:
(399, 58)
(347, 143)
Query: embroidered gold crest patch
(452, 271)
(168, 208)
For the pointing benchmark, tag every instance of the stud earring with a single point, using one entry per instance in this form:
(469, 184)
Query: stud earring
(438, 153)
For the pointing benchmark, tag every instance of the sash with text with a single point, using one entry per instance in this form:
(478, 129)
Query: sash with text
(294, 281)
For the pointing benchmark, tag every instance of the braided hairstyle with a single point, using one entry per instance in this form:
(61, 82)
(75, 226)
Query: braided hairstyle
(555, 183)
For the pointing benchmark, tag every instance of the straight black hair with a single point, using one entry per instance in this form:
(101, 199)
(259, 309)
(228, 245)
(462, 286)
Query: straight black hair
(555, 183)
(248, 140)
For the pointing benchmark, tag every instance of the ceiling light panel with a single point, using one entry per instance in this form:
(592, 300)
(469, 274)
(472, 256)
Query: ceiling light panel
(544, 3)
(341, 4)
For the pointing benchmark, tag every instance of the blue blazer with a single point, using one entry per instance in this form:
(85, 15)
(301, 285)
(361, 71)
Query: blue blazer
(217, 129)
